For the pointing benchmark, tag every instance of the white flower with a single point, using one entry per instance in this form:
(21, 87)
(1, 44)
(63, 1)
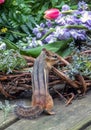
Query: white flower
(85, 17)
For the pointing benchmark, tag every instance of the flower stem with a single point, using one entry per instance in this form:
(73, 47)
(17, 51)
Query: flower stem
(18, 33)
(68, 27)
(76, 27)
(50, 31)
(67, 12)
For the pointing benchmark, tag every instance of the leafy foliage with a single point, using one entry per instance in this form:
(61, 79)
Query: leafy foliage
(58, 47)
(16, 17)
(11, 59)
(6, 108)
(81, 65)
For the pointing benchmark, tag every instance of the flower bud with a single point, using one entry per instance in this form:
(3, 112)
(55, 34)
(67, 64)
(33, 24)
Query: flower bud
(2, 1)
(51, 13)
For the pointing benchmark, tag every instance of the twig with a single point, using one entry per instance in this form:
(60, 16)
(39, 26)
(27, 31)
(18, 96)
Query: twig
(65, 78)
(30, 64)
(81, 79)
(13, 76)
(4, 92)
(63, 60)
(55, 82)
(64, 99)
(87, 51)
(29, 58)
(72, 97)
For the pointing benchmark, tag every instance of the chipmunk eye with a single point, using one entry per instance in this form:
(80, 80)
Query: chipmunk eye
(55, 56)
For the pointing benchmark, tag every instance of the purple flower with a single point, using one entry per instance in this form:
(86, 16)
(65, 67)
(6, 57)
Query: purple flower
(65, 8)
(57, 30)
(49, 23)
(39, 43)
(78, 34)
(77, 21)
(86, 19)
(34, 42)
(60, 21)
(38, 35)
(63, 34)
(85, 16)
(36, 30)
(81, 36)
(89, 23)
(42, 25)
(77, 13)
(49, 39)
(44, 31)
(82, 6)
(60, 24)
(70, 20)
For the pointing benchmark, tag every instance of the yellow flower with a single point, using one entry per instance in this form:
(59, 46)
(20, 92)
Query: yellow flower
(4, 30)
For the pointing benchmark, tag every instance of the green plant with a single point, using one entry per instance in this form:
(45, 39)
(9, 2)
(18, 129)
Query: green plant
(16, 20)
(6, 108)
(11, 59)
(80, 65)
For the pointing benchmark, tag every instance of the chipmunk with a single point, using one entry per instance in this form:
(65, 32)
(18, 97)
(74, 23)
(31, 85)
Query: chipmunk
(41, 99)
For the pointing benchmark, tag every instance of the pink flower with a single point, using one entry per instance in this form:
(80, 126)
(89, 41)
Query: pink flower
(51, 13)
(2, 1)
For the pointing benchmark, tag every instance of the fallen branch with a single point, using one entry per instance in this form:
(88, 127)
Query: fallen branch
(65, 78)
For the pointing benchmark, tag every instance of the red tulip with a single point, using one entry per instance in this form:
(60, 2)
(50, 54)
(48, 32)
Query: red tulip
(2, 1)
(51, 13)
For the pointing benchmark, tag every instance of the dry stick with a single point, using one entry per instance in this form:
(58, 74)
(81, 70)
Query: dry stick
(62, 60)
(65, 100)
(2, 78)
(20, 87)
(4, 92)
(54, 82)
(30, 64)
(29, 58)
(88, 81)
(20, 72)
(65, 78)
(88, 84)
(81, 79)
(72, 97)
(17, 75)
(87, 51)
(25, 86)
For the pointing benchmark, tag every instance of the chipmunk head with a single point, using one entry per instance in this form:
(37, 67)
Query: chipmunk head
(50, 58)
(51, 61)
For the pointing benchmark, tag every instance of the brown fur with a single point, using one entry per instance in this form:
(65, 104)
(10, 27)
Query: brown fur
(41, 99)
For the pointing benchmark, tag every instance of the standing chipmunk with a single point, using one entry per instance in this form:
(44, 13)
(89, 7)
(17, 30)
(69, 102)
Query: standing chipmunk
(41, 99)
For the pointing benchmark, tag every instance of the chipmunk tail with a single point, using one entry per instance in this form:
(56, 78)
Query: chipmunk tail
(27, 112)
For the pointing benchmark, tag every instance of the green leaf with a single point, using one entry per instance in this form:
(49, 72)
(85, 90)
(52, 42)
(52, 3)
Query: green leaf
(10, 45)
(10, 36)
(25, 29)
(57, 47)
(54, 47)
(31, 19)
(64, 53)
(4, 17)
(60, 5)
(29, 25)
